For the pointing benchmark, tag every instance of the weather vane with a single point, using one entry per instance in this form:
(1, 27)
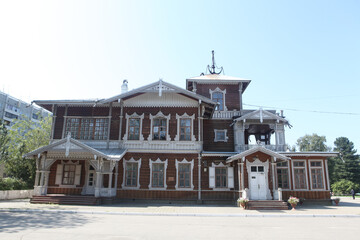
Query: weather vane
(213, 66)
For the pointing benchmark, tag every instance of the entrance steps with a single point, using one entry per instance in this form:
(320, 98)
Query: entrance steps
(66, 199)
(267, 205)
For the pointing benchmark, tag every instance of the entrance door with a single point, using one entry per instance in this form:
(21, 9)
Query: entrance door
(90, 188)
(257, 183)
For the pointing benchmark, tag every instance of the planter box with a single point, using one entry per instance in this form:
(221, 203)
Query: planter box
(16, 194)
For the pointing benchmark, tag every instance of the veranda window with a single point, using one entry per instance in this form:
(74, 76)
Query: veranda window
(184, 175)
(185, 129)
(300, 175)
(88, 128)
(316, 175)
(159, 129)
(131, 174)
(283, 175)
(134, 129)
(69, 174)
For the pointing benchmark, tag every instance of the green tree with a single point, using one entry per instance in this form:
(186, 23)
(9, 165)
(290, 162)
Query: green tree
(4, 139)
(25, 136)
(347, 164)
(343, 187)
(312, 142)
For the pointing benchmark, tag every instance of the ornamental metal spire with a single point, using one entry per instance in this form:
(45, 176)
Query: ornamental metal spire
(213, 66)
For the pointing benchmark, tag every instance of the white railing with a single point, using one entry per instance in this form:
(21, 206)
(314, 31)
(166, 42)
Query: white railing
(162, 145)
(276, 148)
(225, 114)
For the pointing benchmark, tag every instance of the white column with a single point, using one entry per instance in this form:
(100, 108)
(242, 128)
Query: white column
(273, 178)
(46, 183)
(37, 178)
(110, 181)
(199, 178)
(97, 188)
(242, 175)
(116, 175)
(239, 176)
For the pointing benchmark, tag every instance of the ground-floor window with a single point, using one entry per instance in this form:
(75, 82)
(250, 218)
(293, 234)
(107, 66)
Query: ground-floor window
(69, 174)
(184, 175)
(220, 177)
(317, 178)
(131, 172)
(300, 178)
(158, 175)
(283, 178)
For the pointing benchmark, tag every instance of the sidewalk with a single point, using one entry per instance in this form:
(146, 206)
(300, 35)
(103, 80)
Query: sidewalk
(347, 208)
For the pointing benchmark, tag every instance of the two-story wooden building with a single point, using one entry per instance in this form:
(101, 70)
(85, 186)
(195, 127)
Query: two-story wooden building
(164, 142)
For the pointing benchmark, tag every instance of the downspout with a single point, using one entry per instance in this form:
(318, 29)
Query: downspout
(109, 125)
(201, 149)
(121, 120)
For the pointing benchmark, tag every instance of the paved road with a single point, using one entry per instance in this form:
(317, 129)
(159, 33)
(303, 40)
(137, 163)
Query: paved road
(47, 226)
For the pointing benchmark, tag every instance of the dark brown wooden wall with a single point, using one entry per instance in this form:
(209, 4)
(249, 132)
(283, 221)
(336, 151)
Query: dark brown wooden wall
(232, 100)
(209, 136)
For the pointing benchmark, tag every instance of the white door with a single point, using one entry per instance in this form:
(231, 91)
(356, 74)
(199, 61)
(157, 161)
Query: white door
(258, 184)
(90, 187)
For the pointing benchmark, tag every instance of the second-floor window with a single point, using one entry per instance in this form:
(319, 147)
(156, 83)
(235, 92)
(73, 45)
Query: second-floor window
(185, 129)
(88, 128)
(159, 129)
(219, 98)
(134, 129)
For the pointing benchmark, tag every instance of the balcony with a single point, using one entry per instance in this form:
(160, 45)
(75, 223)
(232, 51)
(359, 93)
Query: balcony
(275, 148)
(225, 114)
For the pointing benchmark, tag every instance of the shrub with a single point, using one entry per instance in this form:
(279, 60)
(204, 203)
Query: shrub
(343, 187)
(12, 184)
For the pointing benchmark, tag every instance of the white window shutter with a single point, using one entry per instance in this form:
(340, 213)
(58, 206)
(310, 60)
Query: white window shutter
(59, 172)
(77, 174)
(230, 172)
(211, 177)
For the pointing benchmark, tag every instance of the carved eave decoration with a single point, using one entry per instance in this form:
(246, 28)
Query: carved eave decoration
(262, 115)
(241, 156)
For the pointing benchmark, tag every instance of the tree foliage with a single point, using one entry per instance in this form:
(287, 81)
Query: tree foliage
(343, 187)
(312, 142)
(4, 139)
(25, 136)
(346, 165)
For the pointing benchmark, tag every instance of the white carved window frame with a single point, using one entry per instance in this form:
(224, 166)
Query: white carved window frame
(159, 115)
(306, 174)
(132, 160)
(212, 177)
(60, 172)
(134, 115)
(225, 135)
(217, 89)
(178, 119)
(151, 162)
(322, 173)
(184, 161)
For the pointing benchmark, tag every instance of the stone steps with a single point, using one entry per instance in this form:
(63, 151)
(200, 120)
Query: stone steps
(66, 200)
(267, 205)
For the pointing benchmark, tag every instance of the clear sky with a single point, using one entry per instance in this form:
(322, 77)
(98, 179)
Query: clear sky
(302, 56)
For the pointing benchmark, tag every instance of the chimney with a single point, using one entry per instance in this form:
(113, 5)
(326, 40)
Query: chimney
(124, 86)
(282, 113)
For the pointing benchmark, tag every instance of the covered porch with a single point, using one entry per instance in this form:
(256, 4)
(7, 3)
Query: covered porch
(70, 167)
(257, 173)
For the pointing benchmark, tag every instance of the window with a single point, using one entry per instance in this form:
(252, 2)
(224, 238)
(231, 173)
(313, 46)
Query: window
(134, 129)
(12, 108)
(69, 174)
(218, 96)
(131, 174)
(300, 175)
(10, 115)
(35, 116)
(317, 181)
(221, 176)
(88, 128)
(184, 174)
(283, 175)
(185, 127)
(220, 135)
(159, 127)
(158, 174)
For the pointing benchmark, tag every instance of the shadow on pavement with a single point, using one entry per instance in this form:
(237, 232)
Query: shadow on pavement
(11, 222)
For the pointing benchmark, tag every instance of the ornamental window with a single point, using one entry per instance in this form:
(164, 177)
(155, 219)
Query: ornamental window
(158, 174)
(131, 174)
(218, 96)
(159, 127)
(184, 174)
(220, 135)
(221, 176)
(87, 128)
(134, 127)
(185, 128)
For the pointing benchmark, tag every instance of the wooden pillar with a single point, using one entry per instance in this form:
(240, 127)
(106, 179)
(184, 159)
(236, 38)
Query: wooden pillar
(37, 178)
(199, 178)
(109, 126)
(273, 178)
(242, 174)
(239, 178)
(116, 175)
(64, 124)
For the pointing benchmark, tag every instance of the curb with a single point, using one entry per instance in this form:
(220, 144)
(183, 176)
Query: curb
(179, 214)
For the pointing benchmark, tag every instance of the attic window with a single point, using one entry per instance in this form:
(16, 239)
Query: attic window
(218, 96)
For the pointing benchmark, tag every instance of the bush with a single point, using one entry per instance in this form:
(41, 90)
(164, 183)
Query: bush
(12, 184)
(343, 187)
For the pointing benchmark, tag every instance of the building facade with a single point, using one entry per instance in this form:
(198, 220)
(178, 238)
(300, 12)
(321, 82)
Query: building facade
(164, 142)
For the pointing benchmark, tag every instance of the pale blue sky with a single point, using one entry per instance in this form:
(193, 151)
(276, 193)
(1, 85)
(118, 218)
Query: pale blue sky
(302, 55)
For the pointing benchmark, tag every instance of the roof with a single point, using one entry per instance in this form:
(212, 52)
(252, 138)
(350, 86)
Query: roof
(261, 114)
(217, 77)
(259, 148)
(159, 86)
(69, 144)
(310, 154)
(217, 154)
